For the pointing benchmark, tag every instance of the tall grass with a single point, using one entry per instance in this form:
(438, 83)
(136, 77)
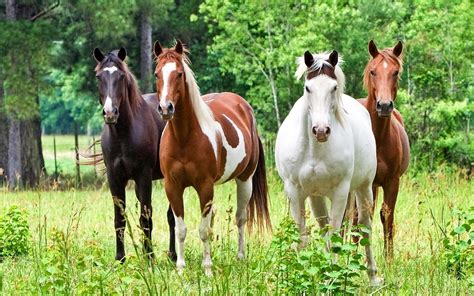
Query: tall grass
(74, 243)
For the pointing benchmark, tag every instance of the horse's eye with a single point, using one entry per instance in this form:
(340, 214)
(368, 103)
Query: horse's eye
(395, 74)
(372, 73)
(307, 89)
(156, 75)
(180, 75)
(335, 88)
(97, 77)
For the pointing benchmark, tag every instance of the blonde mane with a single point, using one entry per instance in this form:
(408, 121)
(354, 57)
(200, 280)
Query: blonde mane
(320, 60)
(203, 113)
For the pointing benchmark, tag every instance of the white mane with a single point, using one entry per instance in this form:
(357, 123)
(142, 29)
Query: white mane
(321, 59)
(201, 109)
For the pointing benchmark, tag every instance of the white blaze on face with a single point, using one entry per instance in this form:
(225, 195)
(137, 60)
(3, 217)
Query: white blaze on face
(108, 105)
(385, 65)
(320, 99)
(166, 71)
(234, 155)
(111, 70)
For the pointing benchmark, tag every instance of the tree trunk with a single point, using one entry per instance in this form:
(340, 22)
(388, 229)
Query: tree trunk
(4, 127)
(25, 156)
(145, 52)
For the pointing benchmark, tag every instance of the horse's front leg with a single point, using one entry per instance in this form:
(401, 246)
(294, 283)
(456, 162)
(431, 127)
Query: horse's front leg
(117, 189)
(387, 214)
(206, 194)
(143, 192)
(174, 192)
(297, 209)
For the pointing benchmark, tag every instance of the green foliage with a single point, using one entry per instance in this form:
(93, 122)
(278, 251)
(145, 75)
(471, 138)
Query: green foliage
(14, 233)
(314, 269)
(459, 245)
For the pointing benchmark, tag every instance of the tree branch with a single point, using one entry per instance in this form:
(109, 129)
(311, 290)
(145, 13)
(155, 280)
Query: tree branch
(45, 11)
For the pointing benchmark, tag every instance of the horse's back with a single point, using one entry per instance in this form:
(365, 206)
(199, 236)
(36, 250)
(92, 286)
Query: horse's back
(237, 123)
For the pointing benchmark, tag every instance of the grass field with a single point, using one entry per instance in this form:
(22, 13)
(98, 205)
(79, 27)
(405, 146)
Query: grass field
(73, 243)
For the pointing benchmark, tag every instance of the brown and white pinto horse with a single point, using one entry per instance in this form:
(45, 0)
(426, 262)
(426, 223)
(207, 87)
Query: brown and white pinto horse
(208, 140)
(381, 77)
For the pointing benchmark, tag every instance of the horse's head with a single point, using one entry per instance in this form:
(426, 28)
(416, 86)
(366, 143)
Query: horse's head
(322, 90)
(111, 74)
(381, 77)
(170, 77)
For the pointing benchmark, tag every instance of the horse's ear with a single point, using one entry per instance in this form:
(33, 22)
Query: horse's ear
(157, 49)
(333, 58)
(397, 50)
(98, 55)
(308, 59)
(179, 47)
(122, 53)
(373, 49)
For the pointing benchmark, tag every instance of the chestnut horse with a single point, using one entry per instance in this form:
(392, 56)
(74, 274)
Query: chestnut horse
(130, 144)
(381, 77)
(208, 140)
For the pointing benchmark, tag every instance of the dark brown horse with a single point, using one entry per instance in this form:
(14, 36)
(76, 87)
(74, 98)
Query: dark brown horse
(381, 77)
(208, 140)
(130, 144)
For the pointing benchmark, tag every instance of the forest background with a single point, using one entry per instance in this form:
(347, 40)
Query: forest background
(47, 83)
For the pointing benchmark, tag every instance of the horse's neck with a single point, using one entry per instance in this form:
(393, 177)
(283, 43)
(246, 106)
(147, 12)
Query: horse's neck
(380, 125)
(184, 121)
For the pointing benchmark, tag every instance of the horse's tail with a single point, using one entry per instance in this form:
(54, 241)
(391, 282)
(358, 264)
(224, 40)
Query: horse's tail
(91, 157)
(258, 204)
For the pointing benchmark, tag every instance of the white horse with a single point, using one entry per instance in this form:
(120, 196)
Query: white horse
(326, 148)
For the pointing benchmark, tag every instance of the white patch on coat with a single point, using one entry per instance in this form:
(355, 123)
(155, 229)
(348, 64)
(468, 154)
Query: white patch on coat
(111, 70)
(234, 155)
(108, 105)
(166, 71)
(180, 232)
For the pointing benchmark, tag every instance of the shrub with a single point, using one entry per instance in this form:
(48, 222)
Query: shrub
(14, 233)
(314, 269)
(459, 245)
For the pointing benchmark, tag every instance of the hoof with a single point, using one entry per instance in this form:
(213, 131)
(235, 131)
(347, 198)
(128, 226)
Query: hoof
(120, 258)
(241, 256)
(376, 281)
(173, 257)
(208, 271)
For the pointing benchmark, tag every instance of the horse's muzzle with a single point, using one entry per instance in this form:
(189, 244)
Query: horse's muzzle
(321, 133)
(167, 112)
(111, 117)
(384, 109)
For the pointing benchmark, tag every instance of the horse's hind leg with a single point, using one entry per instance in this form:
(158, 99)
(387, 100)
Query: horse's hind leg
(364, 207)
(143, 191)
(387, 214)
(171, 224)
(206, 194)
(244, 192)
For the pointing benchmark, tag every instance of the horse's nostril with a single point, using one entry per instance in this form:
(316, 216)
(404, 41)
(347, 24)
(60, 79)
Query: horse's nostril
(170, 108)
(314, 130)
(391, 105)
(115, 110)
(103, 112)
(160, 110)
(328, 130)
